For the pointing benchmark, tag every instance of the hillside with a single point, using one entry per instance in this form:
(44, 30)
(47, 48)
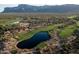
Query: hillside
(45, 8)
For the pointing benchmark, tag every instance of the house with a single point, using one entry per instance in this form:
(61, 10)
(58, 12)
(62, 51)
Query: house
(23, 25)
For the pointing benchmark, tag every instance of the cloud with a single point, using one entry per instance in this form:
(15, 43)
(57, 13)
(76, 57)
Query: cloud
(2, 6)
(39, 2)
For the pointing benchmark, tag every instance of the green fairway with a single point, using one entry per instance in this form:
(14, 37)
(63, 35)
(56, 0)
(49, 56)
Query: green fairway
(41, 45)
(27, 35)
(8, 21)
(67, 31)
(71, 17)
(77, 23)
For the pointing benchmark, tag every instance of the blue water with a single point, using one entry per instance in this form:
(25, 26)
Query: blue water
(34, 41)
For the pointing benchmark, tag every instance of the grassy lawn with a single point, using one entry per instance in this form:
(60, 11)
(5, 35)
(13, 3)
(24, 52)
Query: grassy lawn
(41, 45)
(77, 23)
(71, 17)
(67, 31)
(27, 35)
(8, 21)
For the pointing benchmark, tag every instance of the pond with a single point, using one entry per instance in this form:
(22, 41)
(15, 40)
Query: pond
(34, 40)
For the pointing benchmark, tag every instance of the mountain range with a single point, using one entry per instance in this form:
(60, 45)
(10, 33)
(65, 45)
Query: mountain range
(46, 8)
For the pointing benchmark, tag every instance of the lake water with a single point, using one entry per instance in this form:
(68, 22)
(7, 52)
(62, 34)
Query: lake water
(34, 41)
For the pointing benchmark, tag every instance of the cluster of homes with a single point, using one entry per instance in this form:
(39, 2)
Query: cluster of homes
(36, 22)
(39, 22)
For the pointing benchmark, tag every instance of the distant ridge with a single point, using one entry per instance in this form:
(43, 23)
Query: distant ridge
(46, 8)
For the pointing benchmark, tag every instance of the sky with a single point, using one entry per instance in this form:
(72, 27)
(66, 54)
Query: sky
(5, 3)
(2, 6)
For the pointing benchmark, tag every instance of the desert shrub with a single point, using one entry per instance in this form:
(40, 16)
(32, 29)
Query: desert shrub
(13, 51)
